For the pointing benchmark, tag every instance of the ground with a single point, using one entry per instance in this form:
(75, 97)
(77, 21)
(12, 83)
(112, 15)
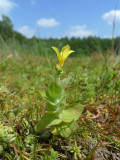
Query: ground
(96, 86)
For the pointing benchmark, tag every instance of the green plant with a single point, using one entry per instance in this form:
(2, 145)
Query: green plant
(6, 137)
(53, 155)
(75, 149)
(59, 117)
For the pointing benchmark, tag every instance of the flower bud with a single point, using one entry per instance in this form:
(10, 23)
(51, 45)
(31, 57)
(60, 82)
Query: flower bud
(59, 69)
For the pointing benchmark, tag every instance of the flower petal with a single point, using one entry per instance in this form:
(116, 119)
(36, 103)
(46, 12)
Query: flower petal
(57, 52)
(63, 54)
(67, 53)
(65, 49)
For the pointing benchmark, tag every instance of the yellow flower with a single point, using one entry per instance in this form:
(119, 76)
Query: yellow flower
(63, 54)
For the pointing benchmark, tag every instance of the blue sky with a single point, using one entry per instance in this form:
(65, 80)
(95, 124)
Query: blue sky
(60, 18)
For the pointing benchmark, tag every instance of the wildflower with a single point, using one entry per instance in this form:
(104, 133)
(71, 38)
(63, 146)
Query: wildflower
(63, 54)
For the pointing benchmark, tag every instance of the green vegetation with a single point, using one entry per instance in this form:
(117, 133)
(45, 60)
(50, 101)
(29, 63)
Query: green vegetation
(19, 43)
(56, 112)
(58, 116)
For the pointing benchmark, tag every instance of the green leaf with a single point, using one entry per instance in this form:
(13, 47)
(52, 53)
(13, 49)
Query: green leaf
(42, 94)
(51, 101)
(55, 122)
(72, 113)
(64, 82)
(53, 155)
(54, 93)
(46, 121)
(54, 90)
(54, 108)
(66, 129)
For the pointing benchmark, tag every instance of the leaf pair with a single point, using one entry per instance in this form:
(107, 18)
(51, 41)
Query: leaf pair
(57, 116)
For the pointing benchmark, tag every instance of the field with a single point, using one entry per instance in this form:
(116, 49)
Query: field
(94, 84)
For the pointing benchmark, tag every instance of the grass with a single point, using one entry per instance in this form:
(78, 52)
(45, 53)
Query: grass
(96, 84)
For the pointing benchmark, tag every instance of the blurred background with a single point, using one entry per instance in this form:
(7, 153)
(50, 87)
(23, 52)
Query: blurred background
(33, 26)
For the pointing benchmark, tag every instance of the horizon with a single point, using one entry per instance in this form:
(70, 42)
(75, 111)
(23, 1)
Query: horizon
(59, 19)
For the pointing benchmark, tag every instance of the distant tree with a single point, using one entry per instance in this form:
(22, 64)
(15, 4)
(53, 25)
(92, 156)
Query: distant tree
(83, 46)
(6, 27)
(19, 37)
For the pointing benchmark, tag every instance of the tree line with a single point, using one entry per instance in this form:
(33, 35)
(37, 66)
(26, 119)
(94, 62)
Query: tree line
(83, 46)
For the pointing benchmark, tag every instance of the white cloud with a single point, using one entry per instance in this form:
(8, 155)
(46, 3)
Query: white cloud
(79, 31)
(44, 22)
(6, 6)
(26, 31)
(111, 16)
